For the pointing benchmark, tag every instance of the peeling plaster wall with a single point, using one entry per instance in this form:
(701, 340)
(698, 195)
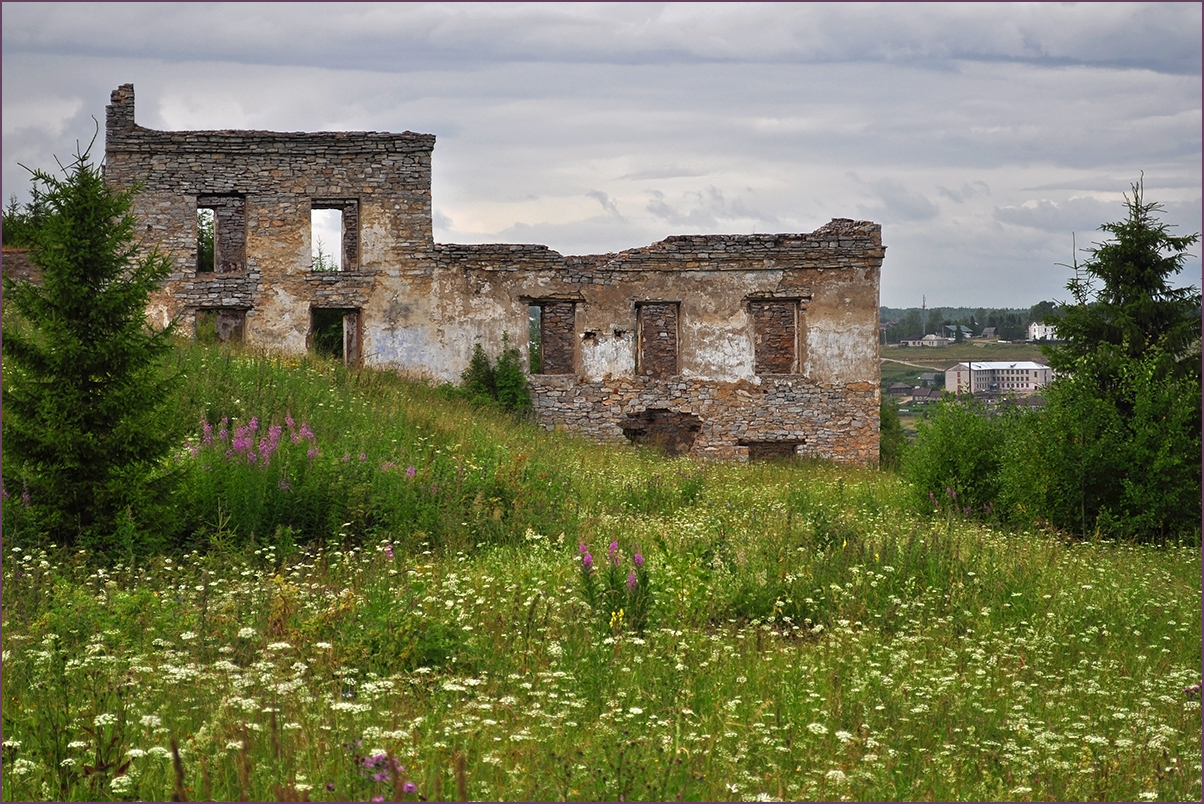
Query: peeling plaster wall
(424, 305)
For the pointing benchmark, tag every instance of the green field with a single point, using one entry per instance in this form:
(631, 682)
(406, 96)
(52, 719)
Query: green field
(397, 608)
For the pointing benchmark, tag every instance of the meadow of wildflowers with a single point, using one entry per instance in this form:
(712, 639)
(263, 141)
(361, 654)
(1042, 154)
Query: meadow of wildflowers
(400, 598)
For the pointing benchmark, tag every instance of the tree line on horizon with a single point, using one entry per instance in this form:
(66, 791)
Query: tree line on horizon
(1010, 323)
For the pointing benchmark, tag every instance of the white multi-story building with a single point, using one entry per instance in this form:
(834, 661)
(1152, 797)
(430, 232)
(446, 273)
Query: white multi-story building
(997, 377)
(1041, 332)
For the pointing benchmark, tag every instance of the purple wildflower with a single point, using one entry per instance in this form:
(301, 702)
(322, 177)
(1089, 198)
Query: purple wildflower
(283, 485)
(346, 458)
(587, 563)
(312, 452)
(582, 549)
(411, 471)
(25, 497)
(638, 560)
(389, 550)
(4, 493)
(288, 419)
(613, 550)
(363, 457)
(330, 786)
(409, 787)
(631, 581)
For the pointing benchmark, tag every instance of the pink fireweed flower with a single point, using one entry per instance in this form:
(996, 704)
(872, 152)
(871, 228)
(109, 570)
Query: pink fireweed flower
(587, 563)
(638, 560)
(389, 550)
(363, 456)
(288, 419)
(613, 550)
(346, 458)
(631, 581)
(312, 452)
(411, 471)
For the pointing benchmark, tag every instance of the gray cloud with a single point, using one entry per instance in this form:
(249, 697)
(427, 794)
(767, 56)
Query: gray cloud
(967, 191)
(704, 209)
(898, 203)
(383, 36)
(1080, 214)
(608, 203)
(984, 131)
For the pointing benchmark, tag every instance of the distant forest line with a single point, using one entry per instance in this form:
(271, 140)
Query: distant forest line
(1011, 323)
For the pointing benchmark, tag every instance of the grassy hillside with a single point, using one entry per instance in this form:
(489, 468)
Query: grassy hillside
(398, 605)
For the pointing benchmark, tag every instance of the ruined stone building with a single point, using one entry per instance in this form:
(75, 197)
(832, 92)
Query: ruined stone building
(718, 346)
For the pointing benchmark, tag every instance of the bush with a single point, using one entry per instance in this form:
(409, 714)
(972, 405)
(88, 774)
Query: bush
(891, 439)
(1085, 467)
(504, 385)
(955, 460)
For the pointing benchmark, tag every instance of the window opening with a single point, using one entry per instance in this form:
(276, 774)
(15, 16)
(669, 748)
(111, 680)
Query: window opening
(658, 340)
(220, 326)
(668, 431)
(775, 336)
(221, 234)
(772, 450)
(334, 235)
(204, 240)
(335, 333)
(551, 345)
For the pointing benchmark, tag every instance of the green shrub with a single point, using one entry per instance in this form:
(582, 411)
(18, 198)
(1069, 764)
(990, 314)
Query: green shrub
(891, 439)
(955, 461)
(505, 384)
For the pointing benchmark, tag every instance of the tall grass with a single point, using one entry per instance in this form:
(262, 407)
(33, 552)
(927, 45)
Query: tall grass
(807, 633)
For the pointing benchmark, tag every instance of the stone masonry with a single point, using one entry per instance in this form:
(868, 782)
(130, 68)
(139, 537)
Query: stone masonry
(716, 346)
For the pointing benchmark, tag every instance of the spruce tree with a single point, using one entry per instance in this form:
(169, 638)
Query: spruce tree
(85, 387)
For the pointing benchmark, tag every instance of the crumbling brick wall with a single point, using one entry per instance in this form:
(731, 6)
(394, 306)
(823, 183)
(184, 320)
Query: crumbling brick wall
(719, 346)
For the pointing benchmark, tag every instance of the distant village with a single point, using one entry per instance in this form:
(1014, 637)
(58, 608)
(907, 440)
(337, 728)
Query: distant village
(1014, 382)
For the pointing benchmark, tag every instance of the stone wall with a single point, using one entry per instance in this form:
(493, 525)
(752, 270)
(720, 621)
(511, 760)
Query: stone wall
(18, 266)
(717, 346)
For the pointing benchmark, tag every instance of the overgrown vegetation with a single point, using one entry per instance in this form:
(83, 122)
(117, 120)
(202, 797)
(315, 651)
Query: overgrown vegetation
(1116, 449)
(84, 431)
(803, 632)
(503, 383)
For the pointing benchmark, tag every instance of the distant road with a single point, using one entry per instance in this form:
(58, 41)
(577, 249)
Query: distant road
(905, 363)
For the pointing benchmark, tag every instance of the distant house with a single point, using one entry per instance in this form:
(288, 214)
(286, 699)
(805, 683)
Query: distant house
(989, 332)
(926, 396)
(950, 331)
(997, 377)
(1041, 332)
(928, 379)
(927, 340)
(899, 389)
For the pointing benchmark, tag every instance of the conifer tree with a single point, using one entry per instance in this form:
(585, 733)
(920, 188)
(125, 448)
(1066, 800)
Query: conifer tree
(85, 388)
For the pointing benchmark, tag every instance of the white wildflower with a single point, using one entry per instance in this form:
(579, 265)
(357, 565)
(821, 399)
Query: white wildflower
(817, 728)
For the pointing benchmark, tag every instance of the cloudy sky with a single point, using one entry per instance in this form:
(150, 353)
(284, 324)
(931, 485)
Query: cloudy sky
(980, 136)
